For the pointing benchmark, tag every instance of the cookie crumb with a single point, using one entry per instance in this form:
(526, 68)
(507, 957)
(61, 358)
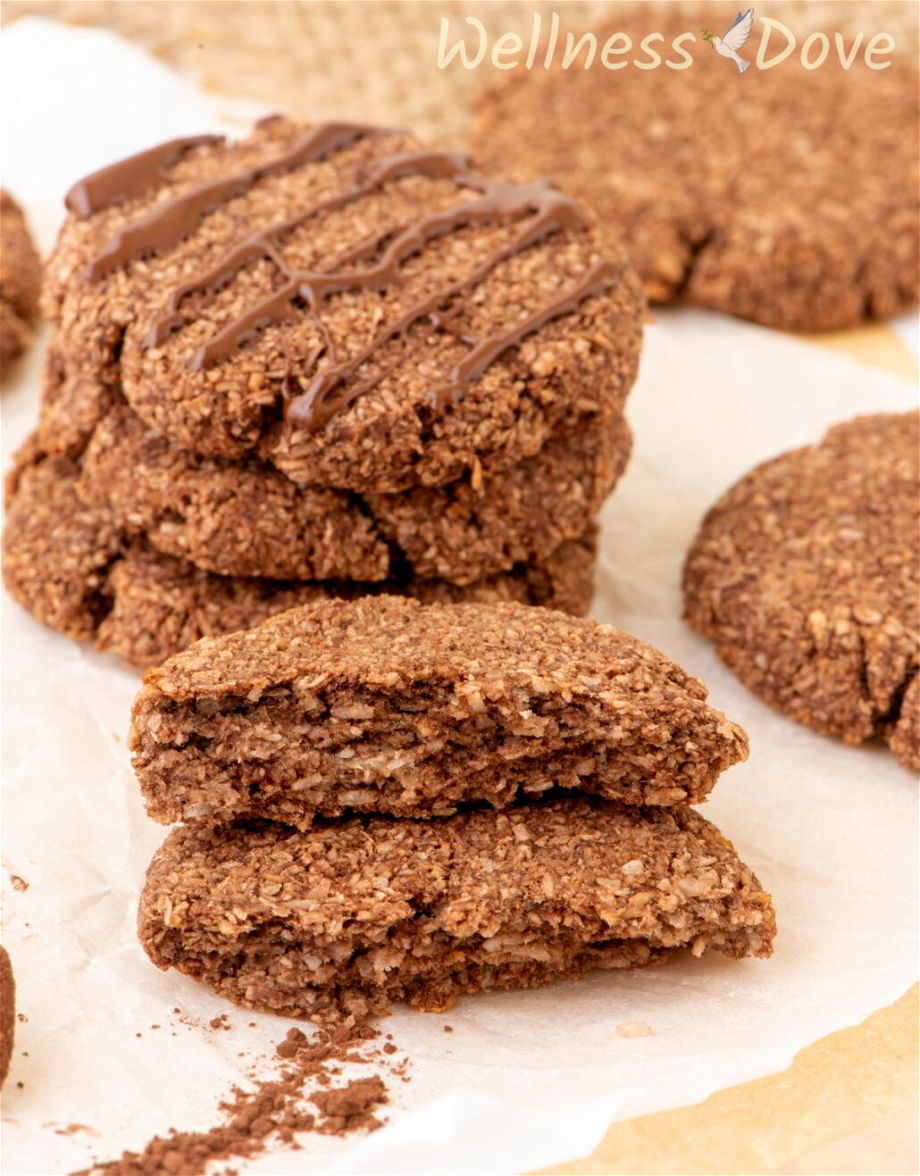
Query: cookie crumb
(634, 1029)
(349, 1107)
(273, 1111)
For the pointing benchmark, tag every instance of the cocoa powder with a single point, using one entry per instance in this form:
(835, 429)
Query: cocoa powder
(274, 1111)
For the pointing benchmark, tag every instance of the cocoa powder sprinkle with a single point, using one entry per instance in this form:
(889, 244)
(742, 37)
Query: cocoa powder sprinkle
(275, 1111)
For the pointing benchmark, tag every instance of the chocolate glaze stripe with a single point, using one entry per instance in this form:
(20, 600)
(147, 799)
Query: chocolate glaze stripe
(326, 396)
(262, 243)
(498, 200)
(599, 277)
(167, 224)
(130, 177)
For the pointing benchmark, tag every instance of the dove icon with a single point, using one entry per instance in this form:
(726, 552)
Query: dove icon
(734, 38)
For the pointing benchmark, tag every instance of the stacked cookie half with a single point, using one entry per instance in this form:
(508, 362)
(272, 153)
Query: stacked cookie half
(387, 801)
(321, 361)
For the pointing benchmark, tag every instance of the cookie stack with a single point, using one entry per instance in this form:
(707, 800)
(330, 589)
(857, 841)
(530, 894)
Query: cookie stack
(322, 361)
(387, 801)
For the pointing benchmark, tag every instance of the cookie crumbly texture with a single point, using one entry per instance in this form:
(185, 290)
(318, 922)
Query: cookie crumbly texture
(7, 1013)
(383, 705)
(248, 519)
(806, 575)
(75, 571)
(561, 375)
(362, 914)
(787, 196)
(20, 282)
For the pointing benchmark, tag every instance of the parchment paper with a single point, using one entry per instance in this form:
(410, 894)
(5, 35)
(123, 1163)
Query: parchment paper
(526, 1079)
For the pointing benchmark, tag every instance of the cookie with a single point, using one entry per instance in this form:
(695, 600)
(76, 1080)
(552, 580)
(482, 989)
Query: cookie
(159, 605)
(806, 575)
(788, 196)
(7, 1013)
(20, 282)
(361, 311)
(248, 519)
(57, 551)
(75, 571)
(362, 914)
(382, 705)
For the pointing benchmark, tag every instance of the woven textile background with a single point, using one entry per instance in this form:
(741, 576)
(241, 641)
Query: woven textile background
(377, 59)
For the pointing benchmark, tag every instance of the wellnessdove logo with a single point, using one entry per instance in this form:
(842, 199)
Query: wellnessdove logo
(737, 33)
(549, 45)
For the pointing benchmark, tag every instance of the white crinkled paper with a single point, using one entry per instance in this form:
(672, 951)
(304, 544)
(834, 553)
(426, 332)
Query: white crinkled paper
(526, 1079)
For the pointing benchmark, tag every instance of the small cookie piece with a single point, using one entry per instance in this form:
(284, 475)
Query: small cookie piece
(365, 312)
(7, 1013)
(806, 575)
(356, 916)
(248, 519)
(57, 551)
(383, 705)
(72, 568)
(787, 195)
(20, 282)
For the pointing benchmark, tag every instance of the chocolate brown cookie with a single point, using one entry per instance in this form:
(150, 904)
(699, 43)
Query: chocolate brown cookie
(74, 570)
(806, 575)
(7, 1013)
(786, 195)
(20, 282)
(362, 914)
(248, 519)
(159, 605)
(383, 705)
(365, 313)
(57, 551)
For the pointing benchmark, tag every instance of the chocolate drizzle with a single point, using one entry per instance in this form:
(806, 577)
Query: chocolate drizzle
(553, 213)
(497, 201)
(130, 177)
(539, 205)
(263, 242)
(325, 396)
(600, 276)
(167, 224)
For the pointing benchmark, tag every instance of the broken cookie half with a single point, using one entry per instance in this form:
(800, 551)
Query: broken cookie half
(384, 705)
(348, 918)
(388, 801)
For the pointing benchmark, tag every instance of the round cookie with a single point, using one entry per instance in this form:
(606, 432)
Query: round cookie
(20, 282)
(75, 571)
(7, 1013)
(56, 549)
(248, 519)
(788, 196)
(806, 575)
(368, 314)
